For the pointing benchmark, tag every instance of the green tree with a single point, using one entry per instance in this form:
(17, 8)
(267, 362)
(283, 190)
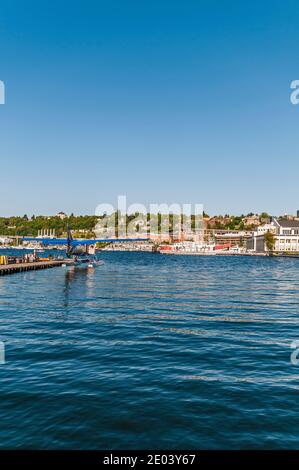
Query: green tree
(269, 241)
(264, 217)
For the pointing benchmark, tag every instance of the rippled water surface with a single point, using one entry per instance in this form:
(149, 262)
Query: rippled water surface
(151, 351)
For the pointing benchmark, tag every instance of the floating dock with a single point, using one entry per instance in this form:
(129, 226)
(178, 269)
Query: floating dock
(21, 267)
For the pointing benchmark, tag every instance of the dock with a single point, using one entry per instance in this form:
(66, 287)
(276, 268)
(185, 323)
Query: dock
(21, 267)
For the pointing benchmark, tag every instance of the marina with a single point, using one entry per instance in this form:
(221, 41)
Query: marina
(149, 233)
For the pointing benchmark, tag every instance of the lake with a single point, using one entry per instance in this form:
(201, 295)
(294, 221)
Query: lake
(151, 351)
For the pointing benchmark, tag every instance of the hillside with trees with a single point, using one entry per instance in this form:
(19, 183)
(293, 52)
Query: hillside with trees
(24, 226)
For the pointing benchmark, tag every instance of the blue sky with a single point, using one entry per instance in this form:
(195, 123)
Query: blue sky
(164, 101)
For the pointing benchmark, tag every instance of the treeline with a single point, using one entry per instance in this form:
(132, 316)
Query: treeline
(25, 226)
(83, 225)
(232, 222)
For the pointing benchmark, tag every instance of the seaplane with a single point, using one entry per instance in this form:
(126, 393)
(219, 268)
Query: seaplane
(80, 252)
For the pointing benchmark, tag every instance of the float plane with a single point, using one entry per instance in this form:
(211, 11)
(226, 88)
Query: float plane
(80, 251)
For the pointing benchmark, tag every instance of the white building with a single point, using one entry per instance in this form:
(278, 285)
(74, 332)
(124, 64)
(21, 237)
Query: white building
(61, 215)
(287, 235)
(262, 229)
(5, 240)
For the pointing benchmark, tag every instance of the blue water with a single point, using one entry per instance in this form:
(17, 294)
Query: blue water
(151, 351)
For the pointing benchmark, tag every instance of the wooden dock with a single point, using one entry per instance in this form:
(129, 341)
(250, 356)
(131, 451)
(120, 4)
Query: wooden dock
(21, 267)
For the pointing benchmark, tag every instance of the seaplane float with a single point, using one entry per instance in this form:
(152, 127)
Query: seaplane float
(79, 252)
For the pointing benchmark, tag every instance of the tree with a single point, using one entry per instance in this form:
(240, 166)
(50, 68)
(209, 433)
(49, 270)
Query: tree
(264, 217)
(269, 241)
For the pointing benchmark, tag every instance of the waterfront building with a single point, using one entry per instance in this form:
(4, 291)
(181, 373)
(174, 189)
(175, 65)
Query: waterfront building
(256, 243)
(286, 226)
(287, 238)
(46, 233)
(233, 237)
(160, 238)
(5, 240)
(188, 247)
(286, 233)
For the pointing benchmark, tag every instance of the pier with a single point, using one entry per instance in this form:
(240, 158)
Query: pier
(21, 267)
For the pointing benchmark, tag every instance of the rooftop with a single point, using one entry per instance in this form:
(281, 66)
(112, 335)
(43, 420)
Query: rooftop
(288, 223)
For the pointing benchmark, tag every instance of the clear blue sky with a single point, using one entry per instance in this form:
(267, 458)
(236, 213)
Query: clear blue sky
(165, 101)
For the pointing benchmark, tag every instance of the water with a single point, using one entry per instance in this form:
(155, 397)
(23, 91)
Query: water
(151, 351)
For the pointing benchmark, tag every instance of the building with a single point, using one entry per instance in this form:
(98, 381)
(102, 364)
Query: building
(286, 226)
(251, 220)
(5, 240)
(217, 222)
(286, 233)
(61, 215)
(256, 243)
(160, 238)
(46, 233)
(188, 247)
(233, 237)
(262, 229)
